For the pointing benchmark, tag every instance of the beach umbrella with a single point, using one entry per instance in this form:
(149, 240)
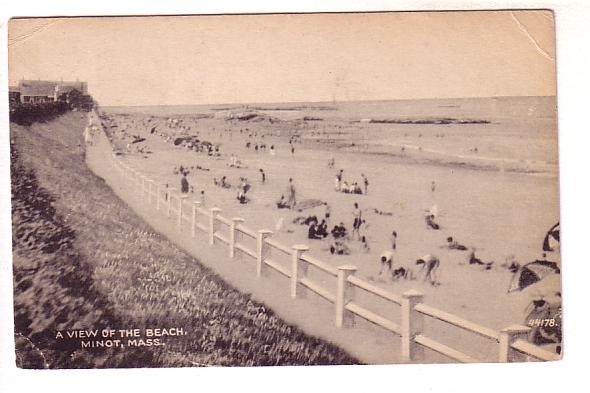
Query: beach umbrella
(531, 273)
(551, 240)
(548, 288)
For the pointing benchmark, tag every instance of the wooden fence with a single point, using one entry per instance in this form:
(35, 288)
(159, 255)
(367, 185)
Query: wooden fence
(233, 234)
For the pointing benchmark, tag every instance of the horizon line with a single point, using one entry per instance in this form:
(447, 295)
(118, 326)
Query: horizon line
(332, 102)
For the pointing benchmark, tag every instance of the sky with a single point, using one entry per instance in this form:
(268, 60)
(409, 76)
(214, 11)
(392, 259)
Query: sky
(182, 60)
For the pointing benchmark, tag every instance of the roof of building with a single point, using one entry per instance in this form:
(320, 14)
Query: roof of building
(48, 88)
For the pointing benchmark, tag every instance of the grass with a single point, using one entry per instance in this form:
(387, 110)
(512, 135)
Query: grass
(84, 260)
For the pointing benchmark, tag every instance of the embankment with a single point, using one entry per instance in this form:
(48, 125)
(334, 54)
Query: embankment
(84, 260)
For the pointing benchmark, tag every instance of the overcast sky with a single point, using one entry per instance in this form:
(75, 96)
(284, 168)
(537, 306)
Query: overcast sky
(283, 58)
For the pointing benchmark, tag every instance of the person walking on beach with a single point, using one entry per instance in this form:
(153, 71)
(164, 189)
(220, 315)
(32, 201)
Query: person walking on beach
(184, 186)
(262, 176)
(358, 220)
(327, 213)
(394, 241)
(291, 192)
(339, 180)
(365, 182)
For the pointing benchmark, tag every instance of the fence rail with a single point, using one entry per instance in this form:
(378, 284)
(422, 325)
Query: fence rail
(510, 341)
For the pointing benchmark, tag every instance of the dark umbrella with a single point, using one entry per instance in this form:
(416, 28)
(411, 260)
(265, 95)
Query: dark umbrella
(551, 238)
(532, 273)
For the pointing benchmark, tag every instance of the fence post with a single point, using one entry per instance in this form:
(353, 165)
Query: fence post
(194, 218)
(344, 294)
(507, 337)
(150, 190)
(234, 235)
(213, 224)
(298, 270)
(412, 325)
(181, 199)
(262, 250)
(143, 185)
(169, 201)
(158, 195)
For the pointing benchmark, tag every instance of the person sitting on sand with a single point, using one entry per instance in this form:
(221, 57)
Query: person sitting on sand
(402, 272)
(312, 232)
(429, 265)
(347, 188)
(454, 245)
(339, 231)
(339, 247)
(386, 259)
(473, 260)
(356, 189)
(184, 186)
(322, 229)
(430, 224)
(242, 197)
(282, 204)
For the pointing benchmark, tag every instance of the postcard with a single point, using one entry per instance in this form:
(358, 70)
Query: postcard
(285, 189)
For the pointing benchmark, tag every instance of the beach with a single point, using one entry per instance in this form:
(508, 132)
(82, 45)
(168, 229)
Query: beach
(493, 163)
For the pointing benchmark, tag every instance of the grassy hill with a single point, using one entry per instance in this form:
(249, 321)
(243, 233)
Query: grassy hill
(84, 260)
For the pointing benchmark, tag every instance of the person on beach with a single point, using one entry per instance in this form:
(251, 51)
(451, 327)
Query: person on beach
(386, 259)
(365, 245)
(262, 175)
(322, 229)
(339, 180)
(393, 240)
(365, 182)
(402, 272)
(429, 265)
(202, 198)
(272, 150)
(282, 204)
(473, 260)
(339, 231)
(433, 186)
(430, 223)
(357, 222)
(291, 200)
(454, 245)
(312, 232)
(340, 247)
(184, 186)
(327, 213)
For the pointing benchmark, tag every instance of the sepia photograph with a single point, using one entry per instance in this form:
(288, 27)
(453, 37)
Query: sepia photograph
(285, 189)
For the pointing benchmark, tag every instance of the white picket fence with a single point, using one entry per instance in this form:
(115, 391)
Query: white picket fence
(233, 233)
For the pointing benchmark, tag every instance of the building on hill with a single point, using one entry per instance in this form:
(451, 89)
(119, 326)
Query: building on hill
(35, 91)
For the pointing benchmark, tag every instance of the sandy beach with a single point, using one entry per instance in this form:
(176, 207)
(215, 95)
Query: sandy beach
(493, 163)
